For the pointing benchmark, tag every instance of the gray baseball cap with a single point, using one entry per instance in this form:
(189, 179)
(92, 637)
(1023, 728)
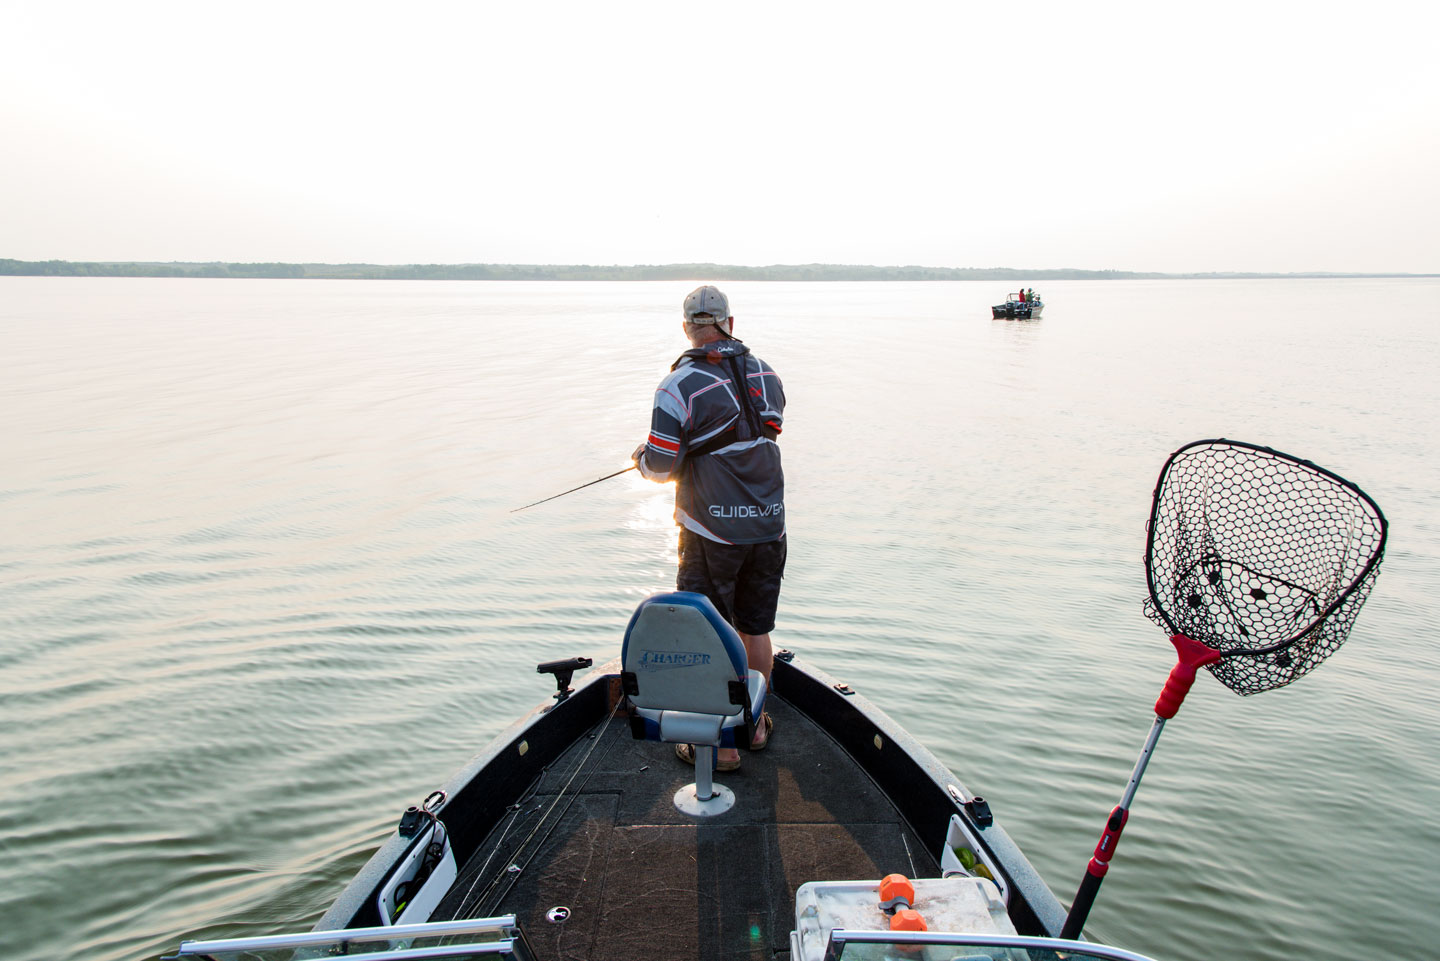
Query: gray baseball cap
(707, 300)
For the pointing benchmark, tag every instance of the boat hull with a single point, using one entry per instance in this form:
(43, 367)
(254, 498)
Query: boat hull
(620, 804)
(1017, 311)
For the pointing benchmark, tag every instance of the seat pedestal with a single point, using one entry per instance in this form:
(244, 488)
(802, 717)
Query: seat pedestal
(704, 798)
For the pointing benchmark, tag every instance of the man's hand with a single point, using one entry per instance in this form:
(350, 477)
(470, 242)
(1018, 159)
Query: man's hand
(638, 452)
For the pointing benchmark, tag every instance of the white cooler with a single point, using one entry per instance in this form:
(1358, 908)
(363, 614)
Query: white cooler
(961, 905)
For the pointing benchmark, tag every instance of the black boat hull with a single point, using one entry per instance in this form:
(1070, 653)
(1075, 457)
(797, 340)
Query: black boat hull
(1014, 312)
(886, 760)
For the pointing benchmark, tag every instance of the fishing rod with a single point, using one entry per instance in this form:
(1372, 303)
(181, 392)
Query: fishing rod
(574, 489)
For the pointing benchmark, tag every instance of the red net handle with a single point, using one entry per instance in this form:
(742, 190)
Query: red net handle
(1193, 656)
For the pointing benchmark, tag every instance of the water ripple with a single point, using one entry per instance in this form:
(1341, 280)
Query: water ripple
(261, 586)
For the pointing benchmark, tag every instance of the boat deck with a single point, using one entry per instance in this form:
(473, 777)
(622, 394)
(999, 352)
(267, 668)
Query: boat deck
(599, 834)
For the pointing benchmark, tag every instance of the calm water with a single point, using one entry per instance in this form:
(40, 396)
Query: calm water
(261, 589)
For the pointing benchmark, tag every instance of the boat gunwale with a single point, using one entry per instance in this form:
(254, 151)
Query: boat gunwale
(898, 773)
(561, 724)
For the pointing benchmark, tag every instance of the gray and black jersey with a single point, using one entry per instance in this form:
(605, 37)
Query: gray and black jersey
(717, 414)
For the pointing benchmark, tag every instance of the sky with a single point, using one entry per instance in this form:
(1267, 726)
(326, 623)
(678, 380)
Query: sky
(1224, 136)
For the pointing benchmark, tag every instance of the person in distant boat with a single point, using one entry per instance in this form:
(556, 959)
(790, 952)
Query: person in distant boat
(713, 430)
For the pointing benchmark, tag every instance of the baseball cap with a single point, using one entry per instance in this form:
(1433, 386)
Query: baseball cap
(707, 300)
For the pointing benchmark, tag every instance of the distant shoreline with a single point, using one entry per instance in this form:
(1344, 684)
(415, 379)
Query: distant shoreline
(696, 272)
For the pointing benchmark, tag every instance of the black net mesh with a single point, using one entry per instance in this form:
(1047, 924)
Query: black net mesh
(1261, 556)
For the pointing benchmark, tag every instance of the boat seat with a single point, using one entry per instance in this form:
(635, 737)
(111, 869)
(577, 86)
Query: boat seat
(685, 674)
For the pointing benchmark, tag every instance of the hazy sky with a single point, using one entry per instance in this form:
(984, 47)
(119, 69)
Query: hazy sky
(1251, 136)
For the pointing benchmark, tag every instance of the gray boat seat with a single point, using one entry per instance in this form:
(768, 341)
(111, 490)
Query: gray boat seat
(687, 680)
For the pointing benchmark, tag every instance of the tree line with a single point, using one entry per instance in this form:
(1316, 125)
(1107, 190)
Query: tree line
(66, 268)
(696, 272)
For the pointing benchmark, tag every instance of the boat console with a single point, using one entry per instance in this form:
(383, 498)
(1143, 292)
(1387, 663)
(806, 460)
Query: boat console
(927, 919)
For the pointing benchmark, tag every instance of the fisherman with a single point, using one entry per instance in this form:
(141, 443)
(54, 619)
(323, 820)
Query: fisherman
(713, 429)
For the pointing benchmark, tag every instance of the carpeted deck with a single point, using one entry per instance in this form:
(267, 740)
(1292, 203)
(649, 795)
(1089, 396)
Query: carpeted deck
(601, 836)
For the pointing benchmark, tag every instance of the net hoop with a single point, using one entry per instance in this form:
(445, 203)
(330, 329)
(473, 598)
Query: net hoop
(1259, 554)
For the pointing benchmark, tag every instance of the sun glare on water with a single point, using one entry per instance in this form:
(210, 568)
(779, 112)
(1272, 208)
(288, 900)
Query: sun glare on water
(653, 517)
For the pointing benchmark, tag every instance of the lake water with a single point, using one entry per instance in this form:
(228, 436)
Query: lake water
(261, 587)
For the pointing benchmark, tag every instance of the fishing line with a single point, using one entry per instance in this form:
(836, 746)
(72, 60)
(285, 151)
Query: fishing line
(486, 895)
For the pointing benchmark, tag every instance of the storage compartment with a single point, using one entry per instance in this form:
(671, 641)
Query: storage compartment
(421, 880)
(958, 840)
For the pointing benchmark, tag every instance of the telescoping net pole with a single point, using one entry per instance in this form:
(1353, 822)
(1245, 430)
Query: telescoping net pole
(1257, 564)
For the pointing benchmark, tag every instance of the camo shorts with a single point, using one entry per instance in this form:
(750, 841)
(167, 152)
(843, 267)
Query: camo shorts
(741, 580)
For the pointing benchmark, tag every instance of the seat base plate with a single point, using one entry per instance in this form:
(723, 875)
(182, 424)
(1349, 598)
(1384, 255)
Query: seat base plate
(687, 801)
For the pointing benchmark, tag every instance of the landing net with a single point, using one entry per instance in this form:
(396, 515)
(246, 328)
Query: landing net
(1264, 557)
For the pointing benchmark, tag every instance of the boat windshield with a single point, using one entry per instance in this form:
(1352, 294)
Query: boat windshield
(490, 938)
(938, 946)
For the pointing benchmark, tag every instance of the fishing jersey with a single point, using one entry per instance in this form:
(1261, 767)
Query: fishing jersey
(719, 444)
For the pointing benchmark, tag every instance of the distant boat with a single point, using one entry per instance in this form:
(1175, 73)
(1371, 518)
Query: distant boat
(1015, 308)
